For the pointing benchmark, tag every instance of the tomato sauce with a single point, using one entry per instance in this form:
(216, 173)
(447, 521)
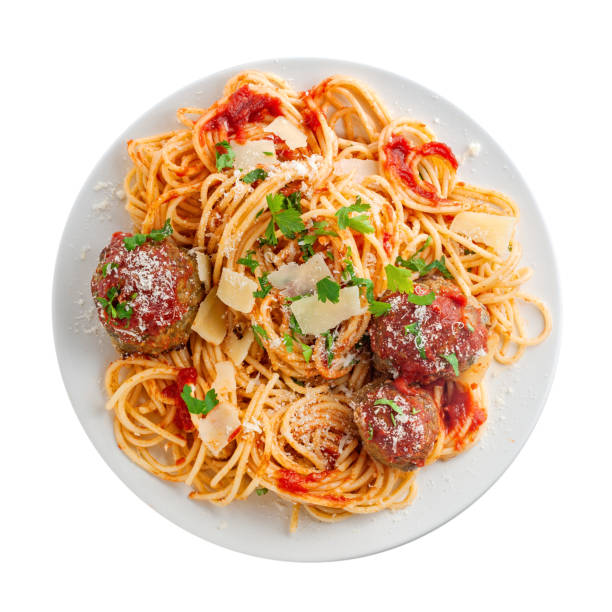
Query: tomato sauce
(293, 482)
(182, 417)
(460, 406)
(403, 158)
(244, 106)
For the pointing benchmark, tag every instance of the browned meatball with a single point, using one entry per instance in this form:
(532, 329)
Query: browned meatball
(146, 297)
(397, 429)
(425, 342)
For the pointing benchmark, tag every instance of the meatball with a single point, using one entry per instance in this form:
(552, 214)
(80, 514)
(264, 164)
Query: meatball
(147, 297)
(425, 342)
(397, 428)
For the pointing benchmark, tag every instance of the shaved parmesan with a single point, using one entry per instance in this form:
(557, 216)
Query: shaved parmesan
(238, 348)
(492, 230)
(252, 153)
(361, 168)
(293, 137)
(226, 377)
(218, 425)
(236, 290)
(297, 279)
(316, 317)
(209, 322)
(204, 269)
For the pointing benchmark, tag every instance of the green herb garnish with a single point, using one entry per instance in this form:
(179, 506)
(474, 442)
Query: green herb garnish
(329, 343)
(306, 352)
(422, 300)
(248, 261)
(390, 403)
(419, 341)
(288, 342)
(226, 159)
(131, 242)
(261, 490)
(260, 333)
(265, 286)
(360, 223)
(328, 289)
(452, 359)
(254, 175)
(379, 308)
(398, 279)
(106, 266)
(198, 406)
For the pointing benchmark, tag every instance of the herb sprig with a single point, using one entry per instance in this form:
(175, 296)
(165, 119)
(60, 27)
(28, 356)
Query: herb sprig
(131, 242)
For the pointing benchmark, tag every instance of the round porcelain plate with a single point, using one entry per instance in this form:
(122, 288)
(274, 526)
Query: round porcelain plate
(259, 526)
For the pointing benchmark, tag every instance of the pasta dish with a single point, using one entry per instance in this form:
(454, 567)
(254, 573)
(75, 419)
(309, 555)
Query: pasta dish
(308, 301)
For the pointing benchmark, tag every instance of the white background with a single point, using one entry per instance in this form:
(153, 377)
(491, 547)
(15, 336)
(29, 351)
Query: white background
(536, 75)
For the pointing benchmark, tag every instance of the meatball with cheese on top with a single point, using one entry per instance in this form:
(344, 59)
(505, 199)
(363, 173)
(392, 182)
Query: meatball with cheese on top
(397, 427)
(439, 336)
(147, 291)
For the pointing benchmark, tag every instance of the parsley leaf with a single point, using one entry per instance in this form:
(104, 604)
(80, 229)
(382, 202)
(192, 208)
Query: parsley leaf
(288, 342)
(379, 308)
(421, 300)
(289, 222)
(329, 343)
(387, 402)
(258, 174)
(306, 352)
(370, 432)
(261, 490)
(452, 359)
(294, 325)
(328, 289)
(419, 341)
(105, 267)
(198, 406)
(260, 333)
(360, 223)
(275, 202)
(265, 285)
(398, 279)
(469, 326)
(224, 160)
(368, 284)
(248, 261)
(131, 242)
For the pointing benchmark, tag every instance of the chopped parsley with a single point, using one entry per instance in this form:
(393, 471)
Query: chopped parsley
(198, 406)
(328, 289)
(306, 241)
(379, 308)
(268, 153)
(387, 402)
(286, 215)
(398, 279)
(393, 419)
(422, 300)
(254, 175)
(288, 342)
(329, 343)
(469, 326)
(360, 223)
(306, 352)
(248, 261)
(260, 333)
(418, 264)
(294, 325)
(265, 286)
(106, 266)
(114, 308)
(226, 158)
(370, 432)
(131, 242)
(419, 341)
(261, 490)
(452, 359)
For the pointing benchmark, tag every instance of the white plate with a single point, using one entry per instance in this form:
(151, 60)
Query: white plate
(259, 526)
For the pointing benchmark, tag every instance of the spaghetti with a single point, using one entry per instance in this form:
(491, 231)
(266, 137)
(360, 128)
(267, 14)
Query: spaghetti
(292, 392)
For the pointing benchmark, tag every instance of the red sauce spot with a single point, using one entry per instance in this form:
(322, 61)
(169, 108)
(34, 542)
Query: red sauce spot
(387, 243)
(296, 483)
(460, 406)
(242, 107)
(402, 385)
(311, 119)
(234, 433)
(283, 152)
(403, 158)
(182, 417)
(180, 461)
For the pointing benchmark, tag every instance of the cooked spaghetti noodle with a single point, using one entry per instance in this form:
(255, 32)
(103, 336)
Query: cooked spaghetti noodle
(297, 436)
